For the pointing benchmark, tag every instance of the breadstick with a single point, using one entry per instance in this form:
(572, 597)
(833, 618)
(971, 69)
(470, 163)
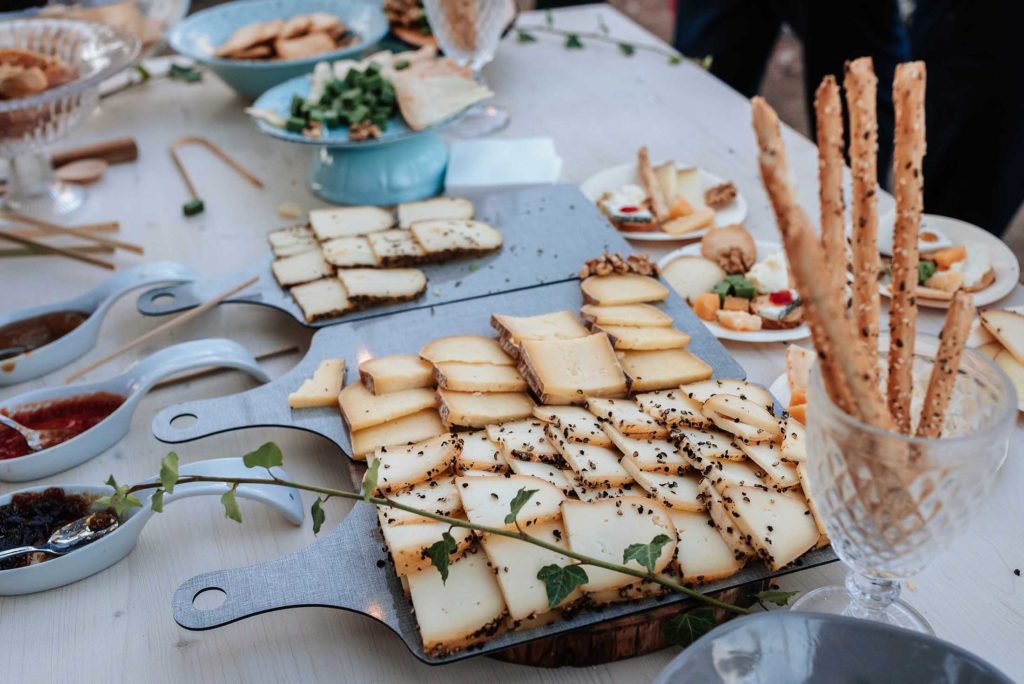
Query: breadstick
(860, 84)
(845, 372)
(908, 97)
(651, 185)
(828, 111)
(947, 362)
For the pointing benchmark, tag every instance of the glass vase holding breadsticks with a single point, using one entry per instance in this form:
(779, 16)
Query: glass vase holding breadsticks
(892, 502)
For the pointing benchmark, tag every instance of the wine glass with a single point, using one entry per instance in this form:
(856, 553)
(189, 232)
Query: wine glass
(891, 502)
(469, 32)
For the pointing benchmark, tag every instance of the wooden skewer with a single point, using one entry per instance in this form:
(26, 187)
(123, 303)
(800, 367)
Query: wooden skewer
(53, 249)
(217, 151)
(828, 112)
(214, 371)
(173, 323)
(19, 252)
(952, 341)
(87, 227)
(71, 230)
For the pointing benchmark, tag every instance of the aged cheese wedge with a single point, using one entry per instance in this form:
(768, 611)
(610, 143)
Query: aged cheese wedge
(704, 390)
(386, 374)
(662, 369)
(362, 409)
(653, 455)
(518, 562)
(724, 474)
(573, 424)
(561, 478)
(645, 339)
(292, 240)
(367, 286)
(406, 430)
(678, 492)
(463, 611)
(396, 247)
(401, 467)
(479, 377)
(1008, 328)
(702, 553)
(801, 472)
(304, 267)
(768, 457)
(479, 453)
(336, 222)
(627, 417)
(779, 526)
(672, 408)
(721, 516)
(350, 252)
(437, 208)
(525, 440)
(438, 496)
(478, 409)
(595, 466)
(794, 441)
(746, 420)
(558, 325)
(585, 493)
(636, 315)
(701, 446)
(487, 500)
(445, 238)
(323, 388)
(408, 544)
(319, 299)
(604, 529)
(624, 288)
(567, 371)
(465, 349)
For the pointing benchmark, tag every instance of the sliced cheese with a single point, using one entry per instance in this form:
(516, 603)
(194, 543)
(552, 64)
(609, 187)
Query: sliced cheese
(722, 518)
(465, 349)
(573, 424)
(636, 315)
(768, 457)
(724, 474)
(479, 453)
(477, 409)
(321, 299)
(406, 430)
(626, 417)
(297, 269)
(678, 492)
(1008, 328)
(292, 240)
(487, 500)
(382, 286)
(622, 288)
(349, 252)
(479, 377)
(438, 496)
(436, 208)
(524, 440)
(386, 374)
(779, 526)
(595, 466)
(408, 544)
(631, 338)
(323, 388)
(336, 222)
(362, 409)
(401, 467)
(744, 419)
(708, 445)
(544, 471)
(567, 371)
(702, 553)
(662, 369)
(652, 455)
(558, 325)
(672, 408)
(704, 390)
(450, 237)
(794, 441)
(801, 472)
(396, 248)
(585, 493)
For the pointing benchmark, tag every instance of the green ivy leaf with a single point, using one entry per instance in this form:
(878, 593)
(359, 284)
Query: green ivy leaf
(646, 554)
(627, 49)
(230, 503)
(169, 472)
(685, 628)
(370, 480)
(120, 500)
(525, 37)
(157, 502)
(559, 581)
(143, 73)
(573, 42)
(267, 456)
(549, 18)
(779, 598)
(440, 554)
(185, 73)
(316, 512)
(675, 59)
(518, 501)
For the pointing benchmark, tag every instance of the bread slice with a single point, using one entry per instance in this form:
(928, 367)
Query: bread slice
(662, 369)
(622, 288)
(558, 325)
(479, 377)
(573, 424)
(362, 409)
(320, 299)
(479, 453)
(457, 208)
(395, 373)
(701, 445)
(487, 500)
(604, 529)
(292, 240)
(767, 456)
(336, 222)
(477, 409)
(705, 389)
(406, 430)
(734, 537)
(629, 338)
(304, 267)
(350, 252)
(366, 286)
(595, 466)
(567, 371)
(780, 527)
(627, 417)
(691, 276)
(672, 408)
(465, 349)
(525, 440)
(651, 455)
(561, 478)
(794, 441)
(678, 492)
(636, 315)
(1008, 328)
(439, 496)
(396, 248)
(445, 238)
(746, 420)
(322, 389)
(702, 553)
(408, 544)
(401, 467)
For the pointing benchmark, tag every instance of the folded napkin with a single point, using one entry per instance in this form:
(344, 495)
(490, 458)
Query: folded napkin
(501, 164)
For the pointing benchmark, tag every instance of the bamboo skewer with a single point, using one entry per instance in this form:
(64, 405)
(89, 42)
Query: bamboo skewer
(24, 252)
(173, 323)
(71, 230)
(111, 227)
(216, 151)
(53, 249)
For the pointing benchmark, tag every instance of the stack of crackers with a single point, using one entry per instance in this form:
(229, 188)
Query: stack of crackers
(300, 37)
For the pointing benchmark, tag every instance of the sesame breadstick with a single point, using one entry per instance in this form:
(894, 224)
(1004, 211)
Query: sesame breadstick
(646, 172)
(952, 340)
(908, 97)
(828, 112)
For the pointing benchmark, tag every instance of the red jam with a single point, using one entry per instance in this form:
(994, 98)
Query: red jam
(31, 517)
(69, 417)
(628, 210)
(781, 297)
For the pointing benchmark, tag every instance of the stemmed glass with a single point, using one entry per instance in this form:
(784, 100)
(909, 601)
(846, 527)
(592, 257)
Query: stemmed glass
(469, 32)
(891, 502)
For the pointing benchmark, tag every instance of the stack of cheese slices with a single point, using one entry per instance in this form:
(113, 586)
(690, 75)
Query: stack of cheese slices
(349, 258)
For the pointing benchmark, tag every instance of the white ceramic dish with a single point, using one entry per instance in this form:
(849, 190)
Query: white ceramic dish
(1005, 264)
(132, 385)
(96, 303)
(613, 178)
(723, 333)
(108, 550)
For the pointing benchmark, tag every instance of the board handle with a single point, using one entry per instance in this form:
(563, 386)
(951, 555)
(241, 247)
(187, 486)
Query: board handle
(169, 299)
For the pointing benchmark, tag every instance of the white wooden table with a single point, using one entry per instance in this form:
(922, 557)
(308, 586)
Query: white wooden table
(599, 107)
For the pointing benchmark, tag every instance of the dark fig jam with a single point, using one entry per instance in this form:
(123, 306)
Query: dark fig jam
(31, 517)
(68, 417)
(32, 333)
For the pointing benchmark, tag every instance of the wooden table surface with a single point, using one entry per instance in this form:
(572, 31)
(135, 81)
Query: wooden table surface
(598, 106)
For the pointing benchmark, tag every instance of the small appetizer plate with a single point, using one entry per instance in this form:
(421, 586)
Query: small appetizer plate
(613, 178)
(108, 550)
(723, 333)
(131, 386)
(780, 390)
(94, 305)
(1004, 263)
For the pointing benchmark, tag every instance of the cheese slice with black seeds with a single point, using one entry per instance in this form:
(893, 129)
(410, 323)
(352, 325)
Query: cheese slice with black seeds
(573, 424)
(768, 457)
(779, 526)
(479, 453)
(559, 477)
(438, 496)
(349, 252)
(724, 520)
(323, 388)
(724, 474)
(585, 493)
(319, 299)
(396, 248)
(652, 455)
(448, 237)
(746, 420)
(297, 269)
(700, 446)
(487, 500)
(401, 467)
(595, 466)
(524, 440)
(408, 544)
(627, 417)
(801, 472)
(794, 441)
(672, 408)
(702, 553)
(386, 374)
(336, 222)
(704, 390)
(678, 492)
(366, 286)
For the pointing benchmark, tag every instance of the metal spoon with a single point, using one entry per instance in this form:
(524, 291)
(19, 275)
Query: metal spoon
(68, 538)
(37, 439)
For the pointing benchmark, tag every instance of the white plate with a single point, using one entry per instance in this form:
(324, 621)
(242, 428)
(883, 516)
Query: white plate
(611, 179)
(723, 333)
(780, 390)
(1004, 263)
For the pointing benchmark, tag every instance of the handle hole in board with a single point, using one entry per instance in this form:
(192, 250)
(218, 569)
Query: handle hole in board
(210, 598)
(183, 421)
(162, 299)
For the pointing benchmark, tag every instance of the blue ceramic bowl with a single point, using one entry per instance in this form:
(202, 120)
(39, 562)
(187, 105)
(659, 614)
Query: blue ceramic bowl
(199, 35)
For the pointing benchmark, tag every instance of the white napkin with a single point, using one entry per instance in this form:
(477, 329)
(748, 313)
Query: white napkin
(502, 163)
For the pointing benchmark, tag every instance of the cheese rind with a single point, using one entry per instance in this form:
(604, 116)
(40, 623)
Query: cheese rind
(386, 374)
(323, 388)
